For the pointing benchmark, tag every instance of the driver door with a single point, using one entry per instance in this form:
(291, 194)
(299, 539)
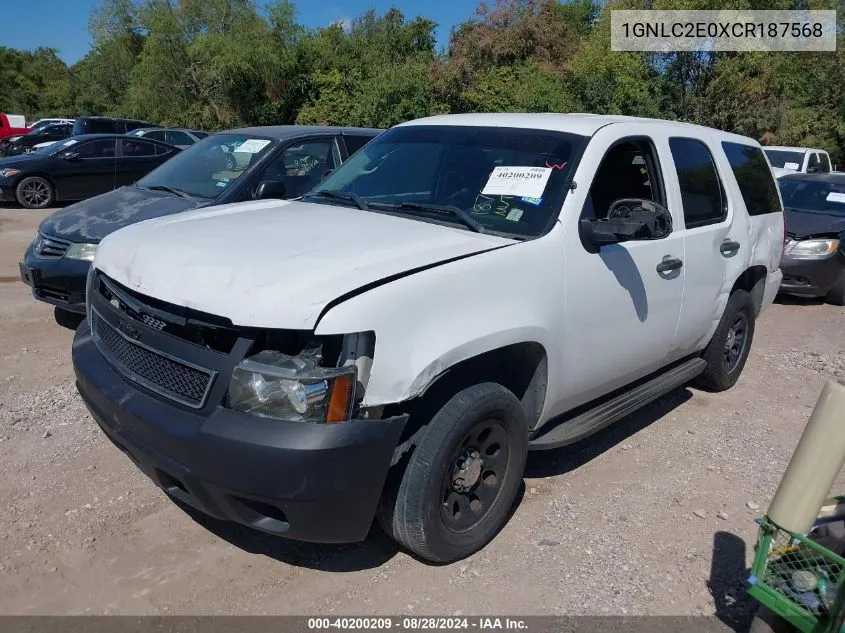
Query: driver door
(621, 313)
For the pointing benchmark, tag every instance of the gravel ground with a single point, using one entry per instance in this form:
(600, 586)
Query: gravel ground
(654, 516)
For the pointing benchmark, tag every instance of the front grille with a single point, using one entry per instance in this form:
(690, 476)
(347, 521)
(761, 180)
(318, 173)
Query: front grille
(157, 372)
(50, 247)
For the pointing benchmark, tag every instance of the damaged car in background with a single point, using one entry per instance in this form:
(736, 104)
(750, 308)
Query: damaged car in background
(465, 288)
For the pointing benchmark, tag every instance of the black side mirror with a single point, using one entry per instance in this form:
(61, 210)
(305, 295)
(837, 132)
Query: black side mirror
(629, 219)
(812, 170)
(326, 173)
(270, 189)
(71, 156)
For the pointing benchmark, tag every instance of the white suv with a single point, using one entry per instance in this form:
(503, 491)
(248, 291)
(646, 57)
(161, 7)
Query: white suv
(464, 289)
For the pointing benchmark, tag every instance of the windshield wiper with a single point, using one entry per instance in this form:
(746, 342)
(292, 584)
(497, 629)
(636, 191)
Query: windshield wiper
(448, 209)
(178, 192)
(354, 198)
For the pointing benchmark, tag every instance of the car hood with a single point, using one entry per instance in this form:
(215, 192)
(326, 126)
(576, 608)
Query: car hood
(91, 220)
(22, 161)
(801, 223)
(276, 264)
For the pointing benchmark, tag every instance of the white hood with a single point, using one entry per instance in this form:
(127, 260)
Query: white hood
(271, 263)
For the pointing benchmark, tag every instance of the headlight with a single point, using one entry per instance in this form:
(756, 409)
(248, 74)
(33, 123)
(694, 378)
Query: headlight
(8, 172)
(813, 249)
(85, 252)
(12, 139)
(295, 388)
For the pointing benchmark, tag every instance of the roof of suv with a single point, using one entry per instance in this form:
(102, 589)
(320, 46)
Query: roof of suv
(787, 148)
(576, 123)
(287, 131)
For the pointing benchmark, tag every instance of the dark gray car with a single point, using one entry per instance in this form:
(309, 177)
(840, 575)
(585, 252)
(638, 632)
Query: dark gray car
(233, 166)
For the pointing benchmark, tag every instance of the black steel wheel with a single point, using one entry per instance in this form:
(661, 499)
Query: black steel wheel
(728, 349)
(462, 479)
(35, 192)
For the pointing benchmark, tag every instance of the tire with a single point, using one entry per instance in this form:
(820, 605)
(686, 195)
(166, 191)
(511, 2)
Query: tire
(836, 296)
(443, 513)
(35, 192)
(765, 621)
(68, 319)
(727, 351)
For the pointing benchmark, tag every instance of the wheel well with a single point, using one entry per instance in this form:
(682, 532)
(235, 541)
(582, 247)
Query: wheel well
(753, 281)
(39, 175)
(522, 368)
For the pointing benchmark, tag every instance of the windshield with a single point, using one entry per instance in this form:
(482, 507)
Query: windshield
(507, 180)
(55, 148)
(822, 197)
(206, 169)
(785, 159)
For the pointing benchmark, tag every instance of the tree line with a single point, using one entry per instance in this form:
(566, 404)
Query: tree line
(217, 64)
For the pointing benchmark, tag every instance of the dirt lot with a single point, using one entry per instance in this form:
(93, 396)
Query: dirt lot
(654, 516)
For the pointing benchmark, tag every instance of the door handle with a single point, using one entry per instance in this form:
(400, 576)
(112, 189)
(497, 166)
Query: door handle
(729, 248)
(669, 264)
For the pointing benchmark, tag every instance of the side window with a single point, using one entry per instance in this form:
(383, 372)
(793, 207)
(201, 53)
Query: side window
(813, 164)
(96, 149)
(99, 126)
(628, 170)
(200, 135)
(355, 142)
(702, 193)
(128, 126)
(175, 137)
(825, 162)
(156, 135)
(755, 179)
(137, 148)
(302, 165)
(161, 150)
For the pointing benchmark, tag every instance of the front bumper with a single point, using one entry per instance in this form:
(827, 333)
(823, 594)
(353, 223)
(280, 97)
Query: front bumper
(812, 277)
(311, 482)
(59, 282)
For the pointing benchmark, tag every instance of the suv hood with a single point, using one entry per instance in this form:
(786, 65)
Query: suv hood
(91, 220)
(802, 224)
(276, 264)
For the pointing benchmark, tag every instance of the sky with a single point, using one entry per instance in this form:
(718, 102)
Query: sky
(63, 24)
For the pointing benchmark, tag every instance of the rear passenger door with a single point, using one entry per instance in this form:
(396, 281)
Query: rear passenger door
(87, 170)
(712, 243)
(136, 158)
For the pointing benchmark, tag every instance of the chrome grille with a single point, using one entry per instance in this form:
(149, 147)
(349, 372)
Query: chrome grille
(50, 247)
(167, 376)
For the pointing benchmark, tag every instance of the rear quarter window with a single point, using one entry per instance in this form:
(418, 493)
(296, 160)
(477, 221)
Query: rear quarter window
(755, 179)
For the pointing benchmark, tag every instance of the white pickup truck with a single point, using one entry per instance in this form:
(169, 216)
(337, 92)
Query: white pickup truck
(805, 160)
(464, 289)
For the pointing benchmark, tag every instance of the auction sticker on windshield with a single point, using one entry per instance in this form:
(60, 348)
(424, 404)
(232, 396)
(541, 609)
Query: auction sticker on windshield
(835, 196)
(528, 182)
(252, 146)
(791, 166)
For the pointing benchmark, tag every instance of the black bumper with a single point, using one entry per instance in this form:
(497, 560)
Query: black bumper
(812, 277)
(60, 282)
(310, 482)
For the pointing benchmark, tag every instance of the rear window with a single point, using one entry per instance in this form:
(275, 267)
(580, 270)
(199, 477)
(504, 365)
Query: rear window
(785, 159)
(701, 189)
(755, 179)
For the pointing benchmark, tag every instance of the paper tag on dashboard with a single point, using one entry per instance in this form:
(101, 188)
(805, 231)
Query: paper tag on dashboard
(791, 166)
(529, 182)
(252, 146)
(836, 196)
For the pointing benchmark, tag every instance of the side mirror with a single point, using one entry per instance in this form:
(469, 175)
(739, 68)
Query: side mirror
(812, 170)
(629, 219)
(270, 189)
(71, 156)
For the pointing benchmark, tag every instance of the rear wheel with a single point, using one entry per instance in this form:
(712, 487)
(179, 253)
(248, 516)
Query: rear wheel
(727, 351)
(463, 476)
(35, 192)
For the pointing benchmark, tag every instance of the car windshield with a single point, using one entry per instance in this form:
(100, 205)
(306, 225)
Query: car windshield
(785, 159)
(819, 196)
(509, 181)
(59, 146)
(206, 169)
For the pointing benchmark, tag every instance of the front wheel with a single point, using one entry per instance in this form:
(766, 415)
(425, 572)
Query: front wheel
(727, 351)
(463, 477)
(35, 192)
(836, 296)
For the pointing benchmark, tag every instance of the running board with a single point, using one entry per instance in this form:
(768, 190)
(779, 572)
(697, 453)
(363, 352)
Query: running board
(609, 411)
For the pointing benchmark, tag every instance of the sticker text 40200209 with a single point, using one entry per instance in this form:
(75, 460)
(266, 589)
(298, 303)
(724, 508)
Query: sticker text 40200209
(517, 181)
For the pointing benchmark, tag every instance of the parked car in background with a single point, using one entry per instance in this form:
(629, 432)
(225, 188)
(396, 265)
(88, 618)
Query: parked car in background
(106, 125)
(814, 257)
(12, 125)
(806, 160)
(282, 161)
(465, 288)
(79, 167)
(49, 133)
(40, 122)
(179, 137)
